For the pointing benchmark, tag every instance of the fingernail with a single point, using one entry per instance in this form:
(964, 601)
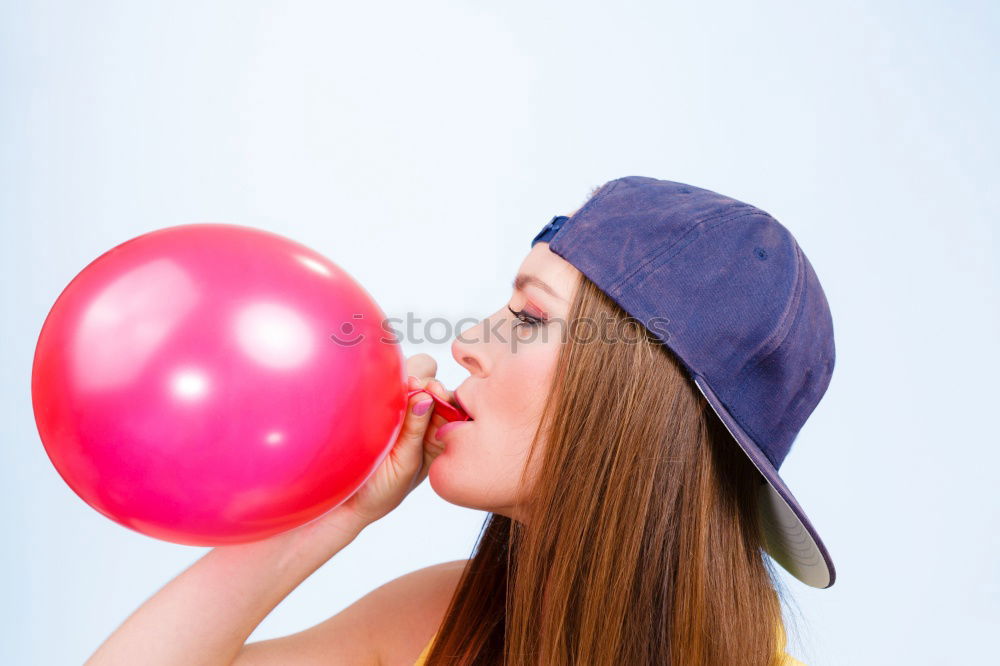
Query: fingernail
(421, 407)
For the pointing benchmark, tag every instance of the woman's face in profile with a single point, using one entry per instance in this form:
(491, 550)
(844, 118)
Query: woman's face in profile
(510, 360)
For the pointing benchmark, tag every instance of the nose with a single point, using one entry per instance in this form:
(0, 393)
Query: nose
(468, 349)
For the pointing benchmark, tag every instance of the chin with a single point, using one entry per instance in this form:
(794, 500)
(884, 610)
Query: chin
(454, 487)
(441, 477)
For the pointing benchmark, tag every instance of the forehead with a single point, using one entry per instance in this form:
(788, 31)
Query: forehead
(551, 268)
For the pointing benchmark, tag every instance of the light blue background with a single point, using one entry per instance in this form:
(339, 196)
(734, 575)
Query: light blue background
(422, 145)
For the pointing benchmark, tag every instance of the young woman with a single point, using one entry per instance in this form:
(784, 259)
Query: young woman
(630, 406)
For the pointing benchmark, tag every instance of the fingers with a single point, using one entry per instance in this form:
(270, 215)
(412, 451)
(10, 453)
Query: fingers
(435, 386)
(409, 448)
(432, 446)
(422, 366)
(419, 410)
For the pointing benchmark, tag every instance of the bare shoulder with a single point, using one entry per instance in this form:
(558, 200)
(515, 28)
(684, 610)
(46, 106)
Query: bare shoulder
(408, 610)
(388, 626)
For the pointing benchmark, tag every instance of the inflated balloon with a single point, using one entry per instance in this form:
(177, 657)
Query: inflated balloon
(209, 384)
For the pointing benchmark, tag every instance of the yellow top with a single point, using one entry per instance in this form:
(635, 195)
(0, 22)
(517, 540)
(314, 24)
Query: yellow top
(422, 659)
(788, 660)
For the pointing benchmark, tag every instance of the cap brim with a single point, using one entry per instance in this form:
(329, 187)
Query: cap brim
(790, 537)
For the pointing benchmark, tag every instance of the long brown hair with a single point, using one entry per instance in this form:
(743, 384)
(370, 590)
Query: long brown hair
(641, 543)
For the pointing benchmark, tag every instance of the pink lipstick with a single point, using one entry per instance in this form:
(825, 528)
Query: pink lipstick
(447, 427)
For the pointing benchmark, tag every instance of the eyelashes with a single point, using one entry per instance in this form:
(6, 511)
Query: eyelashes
(524, 318)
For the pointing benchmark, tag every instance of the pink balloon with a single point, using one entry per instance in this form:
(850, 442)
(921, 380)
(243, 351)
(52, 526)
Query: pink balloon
(210, 384)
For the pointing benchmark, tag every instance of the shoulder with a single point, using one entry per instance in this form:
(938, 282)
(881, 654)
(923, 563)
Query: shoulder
(388, 626)
(407, 611)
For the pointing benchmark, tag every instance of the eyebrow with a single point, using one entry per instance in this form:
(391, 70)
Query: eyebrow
(523, 280)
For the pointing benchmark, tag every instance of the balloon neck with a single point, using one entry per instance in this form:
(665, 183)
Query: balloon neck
(443, 408)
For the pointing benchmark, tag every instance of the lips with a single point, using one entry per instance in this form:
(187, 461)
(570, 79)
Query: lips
(448, 427)
(461, 405)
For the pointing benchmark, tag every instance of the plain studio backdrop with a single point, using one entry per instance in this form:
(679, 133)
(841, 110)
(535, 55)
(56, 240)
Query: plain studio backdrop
(422, 145)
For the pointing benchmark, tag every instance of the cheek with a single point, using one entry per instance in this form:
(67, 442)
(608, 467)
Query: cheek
(481, 466)
(520, 385)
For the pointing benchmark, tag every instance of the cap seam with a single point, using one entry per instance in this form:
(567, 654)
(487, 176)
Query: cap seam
(794, 311)
(796, 317)
(667, 246)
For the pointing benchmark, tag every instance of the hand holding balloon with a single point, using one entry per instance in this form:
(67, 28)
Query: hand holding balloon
(415, 448)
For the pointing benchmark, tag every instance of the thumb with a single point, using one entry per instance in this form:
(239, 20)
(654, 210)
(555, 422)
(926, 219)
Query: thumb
(409, 449)
(432, 446)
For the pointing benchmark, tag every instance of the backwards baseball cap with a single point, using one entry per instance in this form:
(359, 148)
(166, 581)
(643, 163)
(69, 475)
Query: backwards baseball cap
(745, 314)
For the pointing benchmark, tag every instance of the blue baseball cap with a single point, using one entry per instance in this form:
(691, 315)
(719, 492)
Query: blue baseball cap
(728, 289)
